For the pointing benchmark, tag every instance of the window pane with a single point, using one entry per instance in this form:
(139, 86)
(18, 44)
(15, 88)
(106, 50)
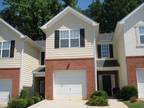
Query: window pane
(64, 43)
(74, 42)
(64, 34)
(142, 39)
(5, 53)
(75, 34)
(141, 30)
(6, 45)
(105, 50)
(0, 53)
(0, 45)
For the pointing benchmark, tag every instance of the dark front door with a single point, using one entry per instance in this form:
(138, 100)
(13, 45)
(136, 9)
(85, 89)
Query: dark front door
(106, 80)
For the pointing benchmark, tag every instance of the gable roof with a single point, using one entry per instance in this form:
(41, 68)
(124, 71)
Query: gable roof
(64, 12)
(131, 13)
(12, 28)
(22, 36)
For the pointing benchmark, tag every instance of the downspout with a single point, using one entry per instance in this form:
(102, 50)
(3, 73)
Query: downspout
(21, 67)
(95, 58)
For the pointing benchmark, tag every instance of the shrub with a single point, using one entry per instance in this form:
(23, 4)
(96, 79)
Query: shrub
(23, 94)
(36, 99)
(30, 102)
(133, 99)
(97, 101)
(128, 91)
(100, 93)
(18, 103)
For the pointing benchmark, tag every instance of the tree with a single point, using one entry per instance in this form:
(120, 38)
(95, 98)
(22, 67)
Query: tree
(72, 3)
(28, 15)
(109, 12)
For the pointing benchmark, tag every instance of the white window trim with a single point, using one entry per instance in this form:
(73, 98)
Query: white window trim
(108, 50)
(1, 49)
(69, 38)
(140, 24)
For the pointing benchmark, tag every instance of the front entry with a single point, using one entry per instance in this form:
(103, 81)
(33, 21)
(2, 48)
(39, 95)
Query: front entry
(107, 81)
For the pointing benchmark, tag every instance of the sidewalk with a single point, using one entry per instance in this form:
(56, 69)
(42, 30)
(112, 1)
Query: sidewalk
(113, 103)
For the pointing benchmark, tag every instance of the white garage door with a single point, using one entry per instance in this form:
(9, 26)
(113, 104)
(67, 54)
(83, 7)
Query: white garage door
(69, 84)
(140, 82)
(5, 90)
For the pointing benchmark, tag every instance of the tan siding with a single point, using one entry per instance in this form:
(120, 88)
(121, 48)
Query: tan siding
(30, 62)
(120, 55)
(70, 22)
(6, 34)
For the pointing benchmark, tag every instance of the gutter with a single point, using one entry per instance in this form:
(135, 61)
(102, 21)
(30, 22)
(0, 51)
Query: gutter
(95, 58)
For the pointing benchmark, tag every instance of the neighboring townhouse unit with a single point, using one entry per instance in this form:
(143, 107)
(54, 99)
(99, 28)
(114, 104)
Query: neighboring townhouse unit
(129, 42)
(19, 56)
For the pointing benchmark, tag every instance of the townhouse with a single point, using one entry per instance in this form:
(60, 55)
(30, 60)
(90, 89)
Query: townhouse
(75, 59)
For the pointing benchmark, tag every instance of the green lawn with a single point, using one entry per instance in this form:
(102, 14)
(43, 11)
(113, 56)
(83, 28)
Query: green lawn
(135, 104)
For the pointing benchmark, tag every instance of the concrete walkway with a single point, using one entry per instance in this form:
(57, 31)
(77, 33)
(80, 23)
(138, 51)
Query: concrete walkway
(113, 103)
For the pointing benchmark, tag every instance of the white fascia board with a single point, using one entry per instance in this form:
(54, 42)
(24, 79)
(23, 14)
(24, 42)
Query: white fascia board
(64, 12)
(130, 14)
(29, 40)
(12, 28)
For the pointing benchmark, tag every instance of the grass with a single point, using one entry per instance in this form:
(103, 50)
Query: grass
(135, 104)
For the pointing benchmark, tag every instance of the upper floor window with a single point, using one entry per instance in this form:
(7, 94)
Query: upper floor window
(71, 38)
(141, 34)
(5, 49)
(105, 51)
(42, 58)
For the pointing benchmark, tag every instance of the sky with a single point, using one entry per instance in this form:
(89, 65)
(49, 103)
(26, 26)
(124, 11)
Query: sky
(83, 4)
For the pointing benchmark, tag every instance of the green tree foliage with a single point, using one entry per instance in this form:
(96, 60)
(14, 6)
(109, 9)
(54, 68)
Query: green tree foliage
(28, 15)
(72, 3)
(109, 12)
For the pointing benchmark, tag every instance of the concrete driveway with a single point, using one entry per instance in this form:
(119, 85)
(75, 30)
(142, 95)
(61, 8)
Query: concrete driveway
(113, 103)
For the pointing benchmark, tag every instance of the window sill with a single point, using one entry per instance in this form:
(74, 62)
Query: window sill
(140, 46)
(6, 58)
(106, 58)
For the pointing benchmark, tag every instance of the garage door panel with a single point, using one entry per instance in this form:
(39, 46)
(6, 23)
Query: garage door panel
(5, 90)
(69, 84)
(140, 82)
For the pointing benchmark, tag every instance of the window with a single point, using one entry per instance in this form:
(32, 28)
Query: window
(105, 50)
(5, 49)
(42, 58)
(69, 38)
(141, 34)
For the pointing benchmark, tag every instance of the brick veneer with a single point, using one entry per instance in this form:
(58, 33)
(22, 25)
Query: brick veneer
(13, 74)
(133, 63)
(69, 64)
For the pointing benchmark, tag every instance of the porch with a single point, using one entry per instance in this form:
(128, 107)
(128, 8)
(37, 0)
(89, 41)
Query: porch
(108, 76)
(39, 81)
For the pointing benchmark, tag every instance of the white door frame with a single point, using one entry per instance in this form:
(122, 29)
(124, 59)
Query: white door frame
(113, 84)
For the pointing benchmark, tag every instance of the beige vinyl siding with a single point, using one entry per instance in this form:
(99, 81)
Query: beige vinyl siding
(130, 33)
(120, 55)
(6, 34)
(31, 58)
(70, 21)
(133, 48)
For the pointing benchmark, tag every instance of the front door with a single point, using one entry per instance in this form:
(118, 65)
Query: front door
(106, 81)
